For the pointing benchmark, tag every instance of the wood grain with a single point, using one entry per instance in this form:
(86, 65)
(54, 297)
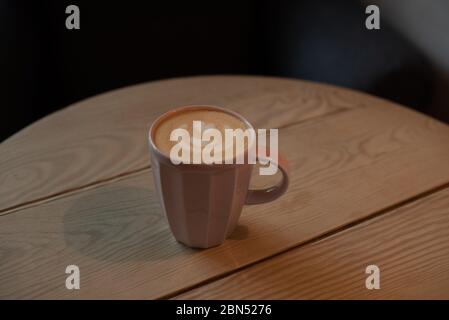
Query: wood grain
(105, 136)
(345, 167)
(410, 246)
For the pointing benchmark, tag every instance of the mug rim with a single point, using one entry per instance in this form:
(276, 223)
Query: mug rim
(195, 107)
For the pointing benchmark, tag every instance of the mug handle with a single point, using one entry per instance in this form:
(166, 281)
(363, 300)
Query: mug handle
(273, 192)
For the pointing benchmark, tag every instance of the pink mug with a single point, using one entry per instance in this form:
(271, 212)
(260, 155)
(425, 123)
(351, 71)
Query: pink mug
(203, 202)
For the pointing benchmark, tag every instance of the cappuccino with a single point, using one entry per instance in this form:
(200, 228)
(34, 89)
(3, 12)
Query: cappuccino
(195, 123)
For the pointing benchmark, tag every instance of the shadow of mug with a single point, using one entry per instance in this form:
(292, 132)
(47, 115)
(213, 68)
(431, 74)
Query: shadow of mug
(120, 224)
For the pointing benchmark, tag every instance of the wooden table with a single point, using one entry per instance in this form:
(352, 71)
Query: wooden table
(370, 185)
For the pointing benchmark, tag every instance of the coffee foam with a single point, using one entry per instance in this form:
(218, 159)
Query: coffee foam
(209, 119)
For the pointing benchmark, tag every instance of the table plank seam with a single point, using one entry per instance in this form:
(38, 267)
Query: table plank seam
(72, 191)
(124, 175)
(317, 238)
(321, 278)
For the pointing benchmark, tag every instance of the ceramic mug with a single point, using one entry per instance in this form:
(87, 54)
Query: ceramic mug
(203, 202)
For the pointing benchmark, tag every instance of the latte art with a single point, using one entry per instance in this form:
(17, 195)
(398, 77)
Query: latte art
(212, 137)
(197, 125)
(209, 146)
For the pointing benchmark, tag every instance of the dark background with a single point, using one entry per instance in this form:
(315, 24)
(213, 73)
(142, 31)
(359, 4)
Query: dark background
(45, 67)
